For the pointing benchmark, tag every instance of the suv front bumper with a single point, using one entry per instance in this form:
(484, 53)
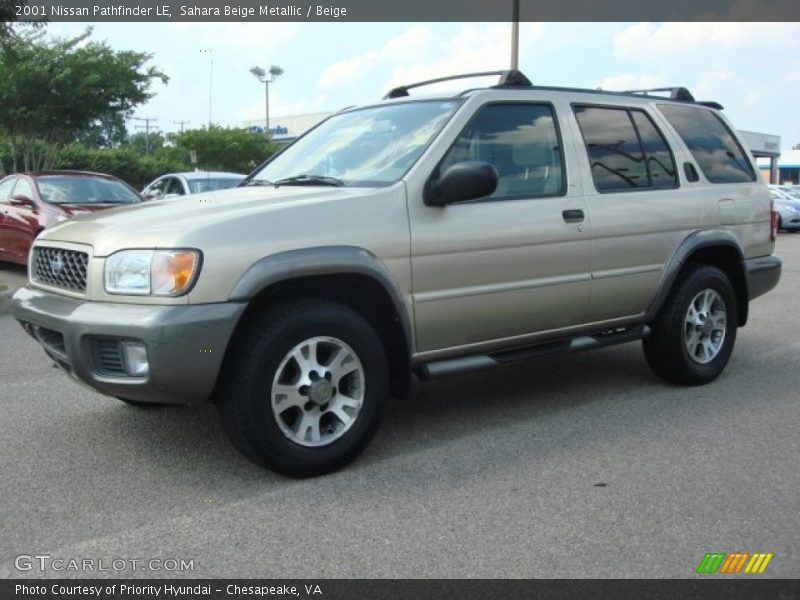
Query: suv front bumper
(185, 344)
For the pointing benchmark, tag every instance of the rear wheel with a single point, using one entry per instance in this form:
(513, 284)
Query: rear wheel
(693, 336)
(304, 388)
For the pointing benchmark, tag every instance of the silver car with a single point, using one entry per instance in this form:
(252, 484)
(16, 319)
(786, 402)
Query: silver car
(174, 185)
(787, 206)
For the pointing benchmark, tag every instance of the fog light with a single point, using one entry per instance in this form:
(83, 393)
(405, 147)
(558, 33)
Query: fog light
(136, 363)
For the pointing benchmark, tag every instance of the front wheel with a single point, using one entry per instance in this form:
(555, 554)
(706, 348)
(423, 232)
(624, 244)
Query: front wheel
(693, 335)
(304, 388)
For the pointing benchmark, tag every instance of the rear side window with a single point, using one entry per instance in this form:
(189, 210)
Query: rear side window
(626, 150)
(711, 142)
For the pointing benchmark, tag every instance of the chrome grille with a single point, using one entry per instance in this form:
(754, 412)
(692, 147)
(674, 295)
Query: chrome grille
(61, 268)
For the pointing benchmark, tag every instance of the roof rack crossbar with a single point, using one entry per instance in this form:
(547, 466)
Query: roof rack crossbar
(675, 93)
(507, 78)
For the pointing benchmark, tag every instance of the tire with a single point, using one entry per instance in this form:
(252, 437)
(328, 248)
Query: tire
(304, 432)
(779, 225)
(694, 355)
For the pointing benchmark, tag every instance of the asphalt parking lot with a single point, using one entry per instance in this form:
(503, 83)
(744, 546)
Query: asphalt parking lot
(576, 466)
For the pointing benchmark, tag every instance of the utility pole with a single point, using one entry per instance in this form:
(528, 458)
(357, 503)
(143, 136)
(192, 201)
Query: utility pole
(146, 128)
(181, 124)
(515, 35)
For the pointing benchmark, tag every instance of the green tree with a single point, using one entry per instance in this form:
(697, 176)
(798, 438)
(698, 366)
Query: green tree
(141, 141)
(53, 90)
(221, 149)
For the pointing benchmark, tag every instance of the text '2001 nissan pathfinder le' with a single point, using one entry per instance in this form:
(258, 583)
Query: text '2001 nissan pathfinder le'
(425, 235)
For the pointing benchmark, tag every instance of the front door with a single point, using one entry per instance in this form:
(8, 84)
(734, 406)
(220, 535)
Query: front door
(512, 264)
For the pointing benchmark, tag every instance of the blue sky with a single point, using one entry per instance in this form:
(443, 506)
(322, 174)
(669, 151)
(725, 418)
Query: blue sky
(753, 69)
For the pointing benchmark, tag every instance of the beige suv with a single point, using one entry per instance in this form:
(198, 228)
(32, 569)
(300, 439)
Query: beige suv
(429, 235)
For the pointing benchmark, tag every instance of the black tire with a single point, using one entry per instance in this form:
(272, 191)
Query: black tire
(245, 398)
(665, 350)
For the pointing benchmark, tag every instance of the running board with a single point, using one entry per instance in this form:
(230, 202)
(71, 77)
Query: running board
(466, 364)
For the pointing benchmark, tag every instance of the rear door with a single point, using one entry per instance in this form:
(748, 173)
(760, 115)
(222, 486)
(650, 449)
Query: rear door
(639, 207)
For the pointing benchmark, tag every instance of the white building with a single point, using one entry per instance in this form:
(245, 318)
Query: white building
(288, 127)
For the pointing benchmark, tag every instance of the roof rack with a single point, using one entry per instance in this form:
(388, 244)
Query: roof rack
(677, 93)
(511, 78)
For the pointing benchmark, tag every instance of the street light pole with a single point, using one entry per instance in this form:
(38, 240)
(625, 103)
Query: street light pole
(267, 77)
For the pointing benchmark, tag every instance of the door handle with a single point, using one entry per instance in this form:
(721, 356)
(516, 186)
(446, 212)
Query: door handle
(573, 216)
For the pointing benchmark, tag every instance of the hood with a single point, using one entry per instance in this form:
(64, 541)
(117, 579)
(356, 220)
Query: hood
(164, 223)
(80, 209)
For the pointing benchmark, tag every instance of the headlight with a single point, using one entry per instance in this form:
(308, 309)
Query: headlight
(151, 272)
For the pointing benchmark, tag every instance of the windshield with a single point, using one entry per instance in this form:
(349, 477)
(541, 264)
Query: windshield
(370, 146)
(84, 190)
(197, 186)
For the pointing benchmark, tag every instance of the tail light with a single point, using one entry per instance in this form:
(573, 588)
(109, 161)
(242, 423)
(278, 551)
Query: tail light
(773, 230)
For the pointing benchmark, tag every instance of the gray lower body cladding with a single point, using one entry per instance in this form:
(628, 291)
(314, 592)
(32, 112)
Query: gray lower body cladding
(185, 344)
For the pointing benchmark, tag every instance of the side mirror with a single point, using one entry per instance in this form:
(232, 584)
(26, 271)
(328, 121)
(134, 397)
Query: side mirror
(462, 181)
(20, 200)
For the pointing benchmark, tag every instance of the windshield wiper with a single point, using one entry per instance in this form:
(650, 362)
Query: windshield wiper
(310, 180)
(257, 182)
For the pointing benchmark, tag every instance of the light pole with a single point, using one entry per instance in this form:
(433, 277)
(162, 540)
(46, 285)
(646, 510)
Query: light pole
(515, 35)
(267, 77)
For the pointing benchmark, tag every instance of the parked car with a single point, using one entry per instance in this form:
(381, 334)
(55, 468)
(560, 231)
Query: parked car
(174, 185)
(790, 190)
(428, 236)
(32, 202)
(787, 207)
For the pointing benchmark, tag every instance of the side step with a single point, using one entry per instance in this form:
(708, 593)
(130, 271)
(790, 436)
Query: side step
(465, 364)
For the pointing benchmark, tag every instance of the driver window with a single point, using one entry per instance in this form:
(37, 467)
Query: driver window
(156, 190)
(521, 142)
(174, 187)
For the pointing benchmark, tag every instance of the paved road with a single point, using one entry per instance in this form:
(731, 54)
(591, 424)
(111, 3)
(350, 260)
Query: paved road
(490, 475)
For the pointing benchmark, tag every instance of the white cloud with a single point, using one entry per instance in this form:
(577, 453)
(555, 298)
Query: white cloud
(256, 38)
(349, 70)
(416, 54)
(629, 81)
(472, 49)
(412, 44)
(279, 106)
(646, 39)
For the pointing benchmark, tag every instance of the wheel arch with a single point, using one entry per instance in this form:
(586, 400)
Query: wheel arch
(349, 275)
(719, 248)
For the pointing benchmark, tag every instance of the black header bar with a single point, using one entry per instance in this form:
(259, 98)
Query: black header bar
(405, 11)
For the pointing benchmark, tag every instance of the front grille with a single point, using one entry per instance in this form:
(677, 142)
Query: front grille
(108, 357)
(61, 268)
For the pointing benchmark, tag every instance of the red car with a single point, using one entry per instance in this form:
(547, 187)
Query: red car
(31, 202)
